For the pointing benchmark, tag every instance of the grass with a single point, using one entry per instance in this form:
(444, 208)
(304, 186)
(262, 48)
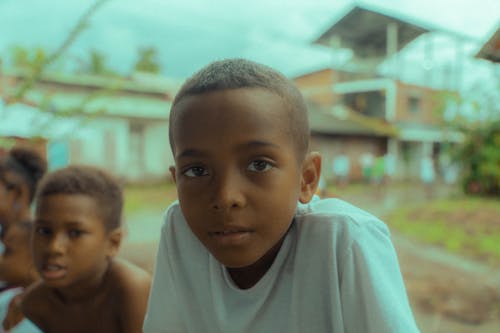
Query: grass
(466, 226)
(143, 197)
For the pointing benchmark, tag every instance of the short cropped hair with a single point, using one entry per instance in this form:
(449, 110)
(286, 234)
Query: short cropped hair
(242, 73)
(27, 164)
(91, 181)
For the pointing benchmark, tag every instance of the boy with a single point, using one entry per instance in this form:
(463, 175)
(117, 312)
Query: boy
(237, 252)
(76, 237)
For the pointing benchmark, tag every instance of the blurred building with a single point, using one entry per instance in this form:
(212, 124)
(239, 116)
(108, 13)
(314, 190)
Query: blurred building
(359, 109)
(115, 123)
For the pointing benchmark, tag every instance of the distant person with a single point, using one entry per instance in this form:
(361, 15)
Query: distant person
(450, 170)
(427, 174)
(20, 171)
(378, 171)
(77, 234)
(248, 247)
(366, 162)
(389, 167)
(18, 270)
(341, 168)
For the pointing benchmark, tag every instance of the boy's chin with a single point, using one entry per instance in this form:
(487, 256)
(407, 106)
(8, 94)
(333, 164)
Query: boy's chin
(236, 261)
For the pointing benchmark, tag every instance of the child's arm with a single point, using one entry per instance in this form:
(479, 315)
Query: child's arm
(14, 314)
(374, 297)
(14, 318)
(135, 284)
(33, 304)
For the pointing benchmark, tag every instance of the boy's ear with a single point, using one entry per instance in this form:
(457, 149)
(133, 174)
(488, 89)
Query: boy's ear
(172, 172)
(114, 241)
(311, 170)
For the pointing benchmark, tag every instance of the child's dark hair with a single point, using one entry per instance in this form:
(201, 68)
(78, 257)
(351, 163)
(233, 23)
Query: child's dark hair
(241, 73)
(27, 164)
(91, 181)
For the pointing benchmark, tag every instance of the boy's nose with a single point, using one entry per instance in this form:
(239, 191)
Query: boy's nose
(228, 193)
(57, 244)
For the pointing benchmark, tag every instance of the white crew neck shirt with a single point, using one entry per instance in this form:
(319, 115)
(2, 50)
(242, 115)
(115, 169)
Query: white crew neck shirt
(336, 271)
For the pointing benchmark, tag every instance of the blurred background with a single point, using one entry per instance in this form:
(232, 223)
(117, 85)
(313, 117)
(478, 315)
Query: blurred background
(404, 105)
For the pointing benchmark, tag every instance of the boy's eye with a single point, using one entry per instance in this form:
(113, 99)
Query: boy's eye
(44, 231)
(196, 172)
(74, 233)
(259, 166)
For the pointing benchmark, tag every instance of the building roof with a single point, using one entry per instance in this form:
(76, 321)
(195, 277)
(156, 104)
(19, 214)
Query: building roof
(340, 120)
(491, 49)
(144, 83)
(144, 98)
(105, 105)
(364, 31)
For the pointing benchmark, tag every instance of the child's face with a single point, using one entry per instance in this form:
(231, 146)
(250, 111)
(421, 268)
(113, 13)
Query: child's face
(6, 202)
(237, 172)
(70, 243)
(16, 264)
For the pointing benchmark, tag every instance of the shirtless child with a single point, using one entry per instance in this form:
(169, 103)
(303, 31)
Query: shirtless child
(76, 237)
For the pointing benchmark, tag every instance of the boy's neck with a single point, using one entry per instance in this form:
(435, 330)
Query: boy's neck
(248, 276)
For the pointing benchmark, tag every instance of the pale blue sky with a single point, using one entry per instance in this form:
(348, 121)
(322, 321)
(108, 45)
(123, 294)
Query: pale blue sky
(191, 33)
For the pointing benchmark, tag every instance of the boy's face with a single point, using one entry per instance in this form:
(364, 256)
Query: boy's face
(70, 243)
(16, 264)
(237, 173)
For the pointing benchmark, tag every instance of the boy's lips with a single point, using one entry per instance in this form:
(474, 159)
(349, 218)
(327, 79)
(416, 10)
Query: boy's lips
(230, 236)
(53, 271)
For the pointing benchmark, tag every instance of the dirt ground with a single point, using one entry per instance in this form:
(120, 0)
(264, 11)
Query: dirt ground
(449, 294)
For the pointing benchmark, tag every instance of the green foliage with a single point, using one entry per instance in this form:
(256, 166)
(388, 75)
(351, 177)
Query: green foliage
(96, 65)
(476, 114)
(39, 62)
(480, 157)
(28, 59)
(148, 61)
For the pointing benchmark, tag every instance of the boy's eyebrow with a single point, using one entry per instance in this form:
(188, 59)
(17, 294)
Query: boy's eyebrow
(257, 144)
(73, 223)
(191, 153)
(249, 144)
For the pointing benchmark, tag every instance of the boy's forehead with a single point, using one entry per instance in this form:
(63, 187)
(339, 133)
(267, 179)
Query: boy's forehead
(64, 203)
(230, 103)
(247, 109)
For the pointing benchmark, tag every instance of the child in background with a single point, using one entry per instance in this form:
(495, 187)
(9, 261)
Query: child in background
(246, 249)
(20, 171)
(77, 234)
(18, 270)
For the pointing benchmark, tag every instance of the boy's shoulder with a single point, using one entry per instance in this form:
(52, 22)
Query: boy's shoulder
(337, 216)
(129, 287)
(127, 277)
(334, 208)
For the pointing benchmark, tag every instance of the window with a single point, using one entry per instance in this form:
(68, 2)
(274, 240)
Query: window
(414, 104)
